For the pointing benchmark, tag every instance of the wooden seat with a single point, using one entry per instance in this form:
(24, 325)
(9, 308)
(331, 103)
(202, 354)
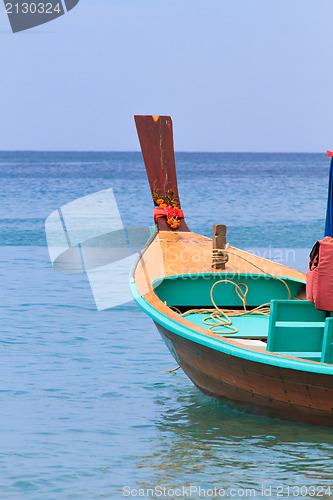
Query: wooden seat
(296, 328)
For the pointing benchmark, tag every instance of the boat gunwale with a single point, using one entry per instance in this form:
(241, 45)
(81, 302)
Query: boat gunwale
(226, 345)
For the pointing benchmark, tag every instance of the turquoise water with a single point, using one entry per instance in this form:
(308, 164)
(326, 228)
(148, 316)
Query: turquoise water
(86, 409)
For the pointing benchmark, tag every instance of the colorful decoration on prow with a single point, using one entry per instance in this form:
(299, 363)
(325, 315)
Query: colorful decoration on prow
(167, 206)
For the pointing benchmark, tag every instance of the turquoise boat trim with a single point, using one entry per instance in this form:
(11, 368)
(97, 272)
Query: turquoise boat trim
(327, 351)
(220, 345)
(312, 356)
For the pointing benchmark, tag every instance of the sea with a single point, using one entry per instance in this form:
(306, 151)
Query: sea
(89, 407)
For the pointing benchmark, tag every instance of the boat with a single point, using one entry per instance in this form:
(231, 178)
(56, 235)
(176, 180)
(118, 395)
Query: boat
(237, 324)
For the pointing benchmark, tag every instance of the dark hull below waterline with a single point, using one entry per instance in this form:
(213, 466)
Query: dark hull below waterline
(264, 389)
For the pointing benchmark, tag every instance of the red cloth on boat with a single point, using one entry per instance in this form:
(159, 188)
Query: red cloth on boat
(167, 212)
(319, 278)
(330, 154)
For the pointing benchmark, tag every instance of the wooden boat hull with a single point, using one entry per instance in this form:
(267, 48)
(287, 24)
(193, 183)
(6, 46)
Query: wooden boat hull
(176, 274)
(273, 391)
(266, 382)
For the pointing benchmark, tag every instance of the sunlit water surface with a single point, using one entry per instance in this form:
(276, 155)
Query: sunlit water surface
(86, 407)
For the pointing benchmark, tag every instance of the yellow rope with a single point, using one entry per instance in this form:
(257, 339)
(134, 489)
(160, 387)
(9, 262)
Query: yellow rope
(220, 256)
(262, 270)
(170, 371)
(221, 317)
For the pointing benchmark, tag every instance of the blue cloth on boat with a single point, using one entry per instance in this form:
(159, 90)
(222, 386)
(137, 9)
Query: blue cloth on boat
(329, 211)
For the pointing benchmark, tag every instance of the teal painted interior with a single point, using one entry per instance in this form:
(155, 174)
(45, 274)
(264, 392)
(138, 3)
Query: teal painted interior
(194, 290)
(219, 345)
(297, 328)
(295, 325)
(247, 326)
(327, 350)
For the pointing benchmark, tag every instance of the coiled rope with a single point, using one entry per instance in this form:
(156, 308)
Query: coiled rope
(221, 317)
(219, 255)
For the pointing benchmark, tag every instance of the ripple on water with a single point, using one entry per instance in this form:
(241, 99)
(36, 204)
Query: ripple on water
(85, 406)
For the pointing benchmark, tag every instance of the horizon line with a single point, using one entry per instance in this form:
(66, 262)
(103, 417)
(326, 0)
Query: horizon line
(139, 151)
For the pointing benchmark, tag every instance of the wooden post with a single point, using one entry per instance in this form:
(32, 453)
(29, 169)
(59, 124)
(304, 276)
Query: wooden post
(219, 243)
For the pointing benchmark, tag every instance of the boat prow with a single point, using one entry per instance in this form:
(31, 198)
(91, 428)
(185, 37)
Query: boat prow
(243, 331)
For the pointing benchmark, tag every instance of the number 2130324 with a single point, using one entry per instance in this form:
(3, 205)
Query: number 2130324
(33, 8)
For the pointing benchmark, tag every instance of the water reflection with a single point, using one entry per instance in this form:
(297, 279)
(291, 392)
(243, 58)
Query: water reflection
(204, 441)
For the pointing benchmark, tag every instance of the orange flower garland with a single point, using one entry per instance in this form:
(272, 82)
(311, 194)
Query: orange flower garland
(172, 216)
(170, 204)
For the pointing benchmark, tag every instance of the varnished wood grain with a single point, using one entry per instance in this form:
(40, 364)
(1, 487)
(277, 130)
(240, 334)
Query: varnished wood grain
(304, 397)
(219, 241)
(156, 141)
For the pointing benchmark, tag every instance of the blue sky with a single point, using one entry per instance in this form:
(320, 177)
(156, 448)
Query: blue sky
(235, 75)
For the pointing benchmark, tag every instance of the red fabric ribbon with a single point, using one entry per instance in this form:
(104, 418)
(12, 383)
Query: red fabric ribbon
(330, 154)
(167, 212)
